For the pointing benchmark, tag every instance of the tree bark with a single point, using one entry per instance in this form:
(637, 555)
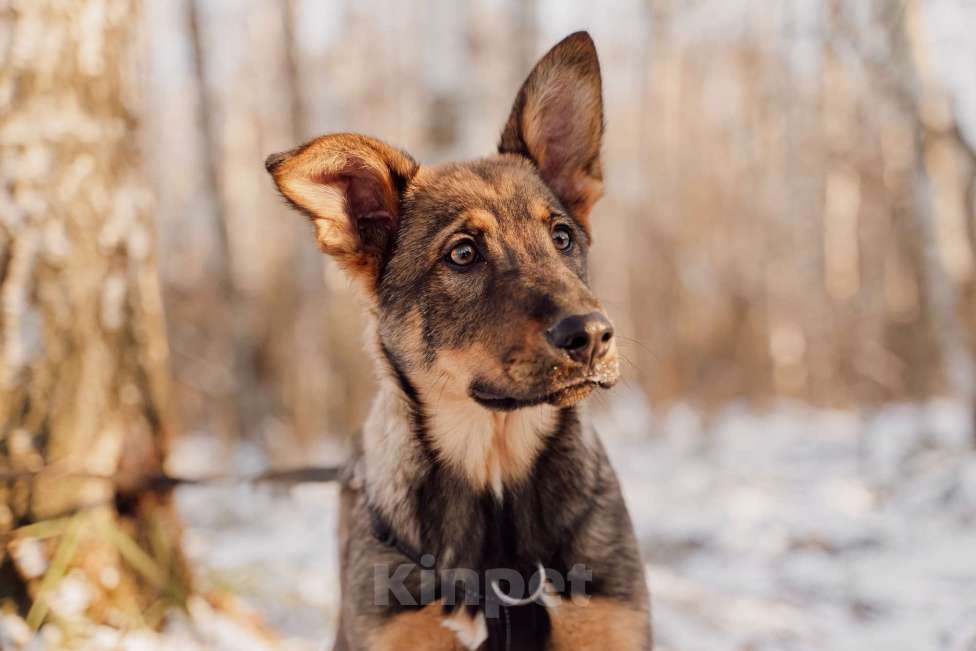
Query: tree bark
(83, 350)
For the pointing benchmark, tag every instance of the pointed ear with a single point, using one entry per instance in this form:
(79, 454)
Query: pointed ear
(557, 122)
(350, 186)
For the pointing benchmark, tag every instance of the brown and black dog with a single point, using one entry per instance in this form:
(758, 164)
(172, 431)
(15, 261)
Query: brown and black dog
(476, 466)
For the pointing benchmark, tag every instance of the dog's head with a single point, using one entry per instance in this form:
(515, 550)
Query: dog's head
(476, 271)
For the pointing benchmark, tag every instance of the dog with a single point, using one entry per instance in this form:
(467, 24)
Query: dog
(479, 509)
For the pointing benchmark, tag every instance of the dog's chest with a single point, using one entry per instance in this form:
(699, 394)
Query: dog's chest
(489, 450)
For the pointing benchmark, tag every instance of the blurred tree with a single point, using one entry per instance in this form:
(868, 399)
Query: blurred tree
(908, 77)
(229, 318)
(83, 349)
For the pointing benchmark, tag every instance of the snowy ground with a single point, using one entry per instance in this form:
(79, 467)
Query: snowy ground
(791, 529)
(803, 529)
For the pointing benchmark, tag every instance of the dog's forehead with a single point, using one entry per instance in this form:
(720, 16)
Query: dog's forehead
(502, 189)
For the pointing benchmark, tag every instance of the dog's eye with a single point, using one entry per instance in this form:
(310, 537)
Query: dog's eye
(463, 254)
(562, 237)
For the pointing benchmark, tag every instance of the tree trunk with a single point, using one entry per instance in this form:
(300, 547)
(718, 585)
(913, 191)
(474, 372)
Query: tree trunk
(940, 289)
(83, 353)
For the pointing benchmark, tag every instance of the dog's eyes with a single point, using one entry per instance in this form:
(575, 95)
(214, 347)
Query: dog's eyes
(463, 254)
(562, 237)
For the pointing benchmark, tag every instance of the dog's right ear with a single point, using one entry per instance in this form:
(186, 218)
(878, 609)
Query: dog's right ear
(350, 186)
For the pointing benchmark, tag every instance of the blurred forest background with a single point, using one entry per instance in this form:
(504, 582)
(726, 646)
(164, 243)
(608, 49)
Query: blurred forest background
(787, 247)
(789, 208)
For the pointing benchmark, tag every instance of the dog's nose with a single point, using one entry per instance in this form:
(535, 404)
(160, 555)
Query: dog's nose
(585, 337)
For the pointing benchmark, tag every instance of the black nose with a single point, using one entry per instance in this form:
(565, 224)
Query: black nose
(586, 337)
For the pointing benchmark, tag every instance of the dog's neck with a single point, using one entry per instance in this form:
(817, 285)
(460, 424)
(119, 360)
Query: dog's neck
(490, 449)
(412, 427)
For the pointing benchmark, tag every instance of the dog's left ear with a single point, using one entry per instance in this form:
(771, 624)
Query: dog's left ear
(557, 122)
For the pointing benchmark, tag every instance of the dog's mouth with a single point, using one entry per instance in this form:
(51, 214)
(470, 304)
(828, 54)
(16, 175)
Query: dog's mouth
(566, 396)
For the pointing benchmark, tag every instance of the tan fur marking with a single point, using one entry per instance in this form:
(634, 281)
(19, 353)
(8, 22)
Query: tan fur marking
(598, 624)
(481, 220)
(489, 448)
(419, 629)
(539, 208)
(588, 191)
